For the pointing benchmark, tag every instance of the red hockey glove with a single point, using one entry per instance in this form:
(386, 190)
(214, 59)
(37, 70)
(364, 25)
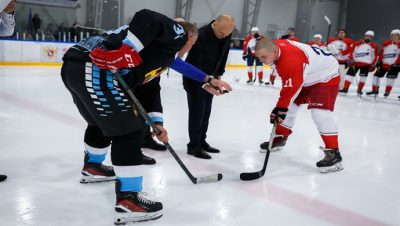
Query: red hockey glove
(278, 115)
(124, 57)
(372, 68)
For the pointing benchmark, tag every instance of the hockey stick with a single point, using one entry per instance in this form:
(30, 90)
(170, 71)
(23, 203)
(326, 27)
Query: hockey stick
(139, 107)
(255, 74)
(329, 26)
(259, 174)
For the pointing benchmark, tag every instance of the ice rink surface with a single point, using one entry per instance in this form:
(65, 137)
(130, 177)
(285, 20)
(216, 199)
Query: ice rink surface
(42, 153)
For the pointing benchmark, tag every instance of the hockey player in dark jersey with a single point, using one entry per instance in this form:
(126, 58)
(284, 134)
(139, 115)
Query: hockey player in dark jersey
(139, 52)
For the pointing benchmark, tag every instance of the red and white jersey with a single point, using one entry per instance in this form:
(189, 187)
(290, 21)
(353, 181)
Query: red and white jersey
(250, 44)
(300, 65)
(364, 54)
(337, 46)
(389, 53)
(320, 45)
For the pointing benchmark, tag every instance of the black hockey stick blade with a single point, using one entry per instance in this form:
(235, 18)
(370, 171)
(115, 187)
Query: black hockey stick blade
(256, 175)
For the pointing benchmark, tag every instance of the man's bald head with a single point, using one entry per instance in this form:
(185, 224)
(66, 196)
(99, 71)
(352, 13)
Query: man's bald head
(266, 44)
(223, 26)
(266, 51)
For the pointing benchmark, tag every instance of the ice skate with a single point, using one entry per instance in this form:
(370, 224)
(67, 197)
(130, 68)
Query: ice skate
(134, 207)
(277, 144)
(331, 162)
(96, 172)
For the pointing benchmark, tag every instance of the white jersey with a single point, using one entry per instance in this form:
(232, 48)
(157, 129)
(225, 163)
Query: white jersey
(337, 46)
(389, 53)
(7, 22)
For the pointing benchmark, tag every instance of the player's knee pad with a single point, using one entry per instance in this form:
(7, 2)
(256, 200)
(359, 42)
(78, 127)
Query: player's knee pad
(94, 137)
(126, 149)
(324, 121)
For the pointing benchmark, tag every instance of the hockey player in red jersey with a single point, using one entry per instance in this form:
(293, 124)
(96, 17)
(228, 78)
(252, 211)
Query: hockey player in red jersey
(248, 55)
(290, 35)
(310, 76)
(317, 42)
(363, 58)
(388, 56)
(336, 46)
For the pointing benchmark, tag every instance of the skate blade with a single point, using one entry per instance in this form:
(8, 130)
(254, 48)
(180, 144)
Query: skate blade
(329, 169)
(276, 149)
(87, 179)
(135, 217)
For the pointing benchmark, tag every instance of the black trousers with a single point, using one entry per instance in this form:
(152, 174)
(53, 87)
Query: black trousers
(109, 113)
(200, 104)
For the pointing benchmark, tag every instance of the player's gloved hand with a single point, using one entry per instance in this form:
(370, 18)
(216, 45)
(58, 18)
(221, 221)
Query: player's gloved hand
(372, 68)
(163, 135)
(257, 36)
(124, 57)
(278, 115)
(245, 56)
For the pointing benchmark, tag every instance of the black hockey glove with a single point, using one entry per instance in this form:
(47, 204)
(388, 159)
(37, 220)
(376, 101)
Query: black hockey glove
(245, 56)
(278, 115)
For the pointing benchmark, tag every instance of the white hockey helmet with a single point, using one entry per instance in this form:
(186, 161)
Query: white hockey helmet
(318, 36)
(255, 29)
(370, 33)
(395, 31)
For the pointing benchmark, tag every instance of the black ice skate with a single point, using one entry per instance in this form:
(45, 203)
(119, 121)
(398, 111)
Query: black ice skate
(260, 82)
(372, 93)
(332, 161)
(250, 82)
(344, 91)
(386, 94)
(133, 207)
(359, 93)
(277, 144)
(96, 172)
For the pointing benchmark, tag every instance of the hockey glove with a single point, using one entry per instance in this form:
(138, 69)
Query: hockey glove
(245, 56)
(278, 115)
(124, 57)
(372, 68)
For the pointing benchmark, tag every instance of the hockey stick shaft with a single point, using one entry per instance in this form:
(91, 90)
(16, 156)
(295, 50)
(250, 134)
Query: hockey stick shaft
(144, 114)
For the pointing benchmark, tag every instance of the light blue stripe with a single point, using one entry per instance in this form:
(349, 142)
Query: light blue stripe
(95, 158)
(99, 93)
(105, 105)
(118, 98)
(129, 43)
(103, 99)
(96, 87)
(114, 91)
(96, 81)
(157, 119)
(132, 184)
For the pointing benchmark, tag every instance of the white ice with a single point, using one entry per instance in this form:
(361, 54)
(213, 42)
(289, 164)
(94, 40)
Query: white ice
(41, 136)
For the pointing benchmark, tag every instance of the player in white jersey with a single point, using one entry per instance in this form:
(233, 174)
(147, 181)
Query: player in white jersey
(7, 23)
(7, 8)
(388, 55)
(248, 55)
(310, 76)
(363, 58)
(338, 46)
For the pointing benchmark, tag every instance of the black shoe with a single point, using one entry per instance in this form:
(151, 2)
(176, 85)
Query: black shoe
(199, 153)
(372, 93)
(3, 177)
(332, 161)
(96, 172)
(266, 83)
(250, 81)
(359, 92)
(133, 207)
(343, 91)
(386, 94)
(148, 160)
(206, 147)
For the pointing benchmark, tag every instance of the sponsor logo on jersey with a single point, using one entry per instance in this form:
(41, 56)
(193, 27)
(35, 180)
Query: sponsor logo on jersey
(153, 74)
(389, 55)
(180, 32)
(361, 54)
